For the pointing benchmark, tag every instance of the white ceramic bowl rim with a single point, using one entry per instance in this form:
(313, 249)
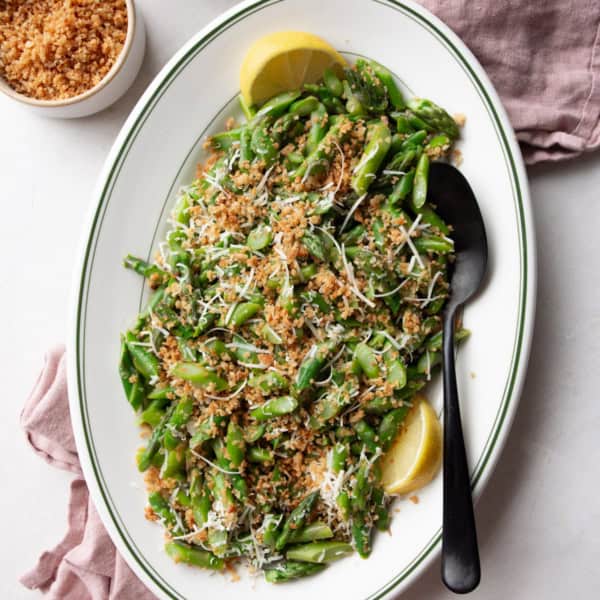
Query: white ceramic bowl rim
(527, 276)
(131, 25)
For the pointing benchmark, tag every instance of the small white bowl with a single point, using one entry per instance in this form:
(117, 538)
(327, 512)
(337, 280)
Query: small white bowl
(114, 84)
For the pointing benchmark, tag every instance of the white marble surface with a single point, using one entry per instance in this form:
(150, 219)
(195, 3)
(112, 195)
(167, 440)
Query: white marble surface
(539, 518)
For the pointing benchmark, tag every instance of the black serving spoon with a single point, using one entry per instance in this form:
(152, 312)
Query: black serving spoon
(456, 204)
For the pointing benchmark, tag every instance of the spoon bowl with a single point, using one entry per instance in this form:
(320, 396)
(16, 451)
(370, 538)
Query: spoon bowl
(457, 205)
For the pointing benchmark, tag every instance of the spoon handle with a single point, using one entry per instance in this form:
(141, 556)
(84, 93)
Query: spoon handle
(460, 556)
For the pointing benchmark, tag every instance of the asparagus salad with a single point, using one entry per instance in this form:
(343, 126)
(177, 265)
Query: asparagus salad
(295, 314)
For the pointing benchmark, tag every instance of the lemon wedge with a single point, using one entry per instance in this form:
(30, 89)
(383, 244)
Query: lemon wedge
(284, 61)
(416, 454)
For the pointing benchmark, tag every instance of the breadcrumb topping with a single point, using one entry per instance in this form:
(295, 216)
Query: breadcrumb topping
(58, 49)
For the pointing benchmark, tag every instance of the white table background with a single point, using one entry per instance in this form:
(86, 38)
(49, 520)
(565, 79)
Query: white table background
(539, 518)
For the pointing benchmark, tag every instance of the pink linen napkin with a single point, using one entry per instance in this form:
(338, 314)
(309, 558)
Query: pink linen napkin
(85, 565)
(543, 57)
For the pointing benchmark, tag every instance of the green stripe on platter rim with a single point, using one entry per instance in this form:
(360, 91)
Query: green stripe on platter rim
(90, 249)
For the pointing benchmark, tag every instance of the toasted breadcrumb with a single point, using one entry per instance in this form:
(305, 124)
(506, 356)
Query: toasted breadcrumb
(457, 157)
(57, 49)
(460, 119)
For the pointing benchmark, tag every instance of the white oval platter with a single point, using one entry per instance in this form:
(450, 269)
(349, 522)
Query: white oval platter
(156, 152)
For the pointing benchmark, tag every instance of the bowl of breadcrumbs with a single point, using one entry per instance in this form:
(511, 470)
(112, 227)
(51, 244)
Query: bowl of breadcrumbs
(69, 58)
